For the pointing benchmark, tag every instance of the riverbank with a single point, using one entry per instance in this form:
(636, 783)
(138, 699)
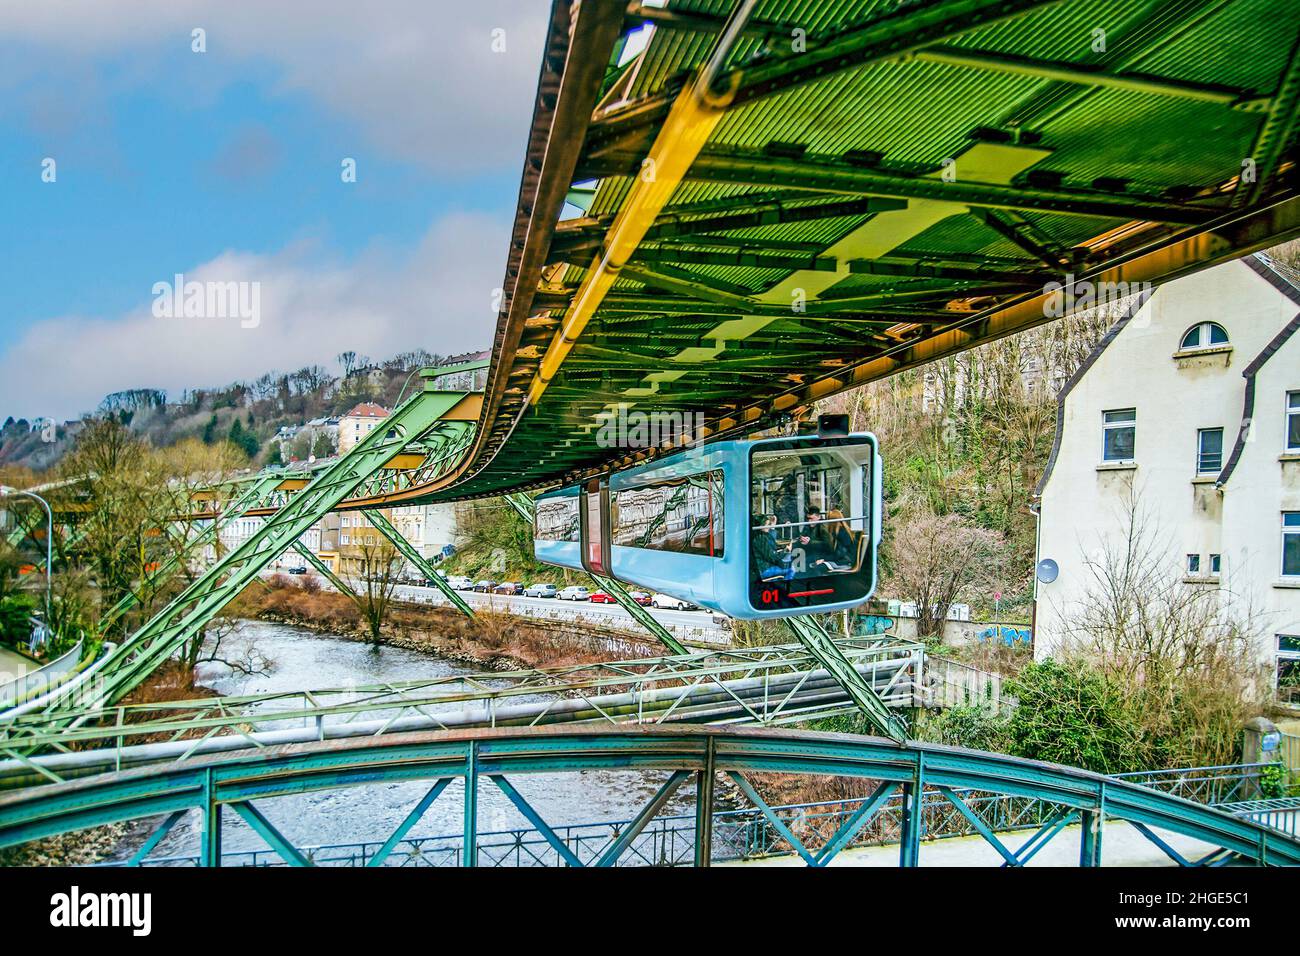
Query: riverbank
(494, 640)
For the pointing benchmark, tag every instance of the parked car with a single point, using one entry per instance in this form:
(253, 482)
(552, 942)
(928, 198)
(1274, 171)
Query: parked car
(508, 587)
(640, 597)
(574, 592)
(297, 570)
(600, 597)
(666, 602)
(483, 584)
(541, 591)
(460, 582)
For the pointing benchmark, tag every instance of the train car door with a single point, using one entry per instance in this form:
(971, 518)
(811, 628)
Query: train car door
(595, 527)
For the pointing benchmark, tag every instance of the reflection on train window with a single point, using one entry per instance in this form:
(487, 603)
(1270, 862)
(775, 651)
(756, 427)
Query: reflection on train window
(684, 515)
(556, 519)
(810, 526)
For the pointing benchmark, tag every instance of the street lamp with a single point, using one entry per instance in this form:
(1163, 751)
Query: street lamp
(5, 492)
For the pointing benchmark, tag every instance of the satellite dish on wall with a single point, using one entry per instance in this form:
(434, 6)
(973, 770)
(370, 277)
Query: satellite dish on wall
(1047, 570)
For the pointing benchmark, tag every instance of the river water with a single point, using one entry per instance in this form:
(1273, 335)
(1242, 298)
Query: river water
(301, 659)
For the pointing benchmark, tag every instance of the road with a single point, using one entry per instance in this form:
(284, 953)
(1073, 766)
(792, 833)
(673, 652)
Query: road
(694, 625)
(701, 620)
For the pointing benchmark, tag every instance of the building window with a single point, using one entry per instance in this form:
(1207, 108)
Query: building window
(1291, 543)
(1203, 336)
(1288, 668)
(1193, 564)
(1293, 421)
(1120, 429)
(1216, 563)
(1209, 451)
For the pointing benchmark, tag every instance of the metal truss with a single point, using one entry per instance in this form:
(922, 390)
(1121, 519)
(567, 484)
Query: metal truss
(418, 419)
(774, 685)
(614, 588)
(257, 486)
(828, 654)
(912, 776)
(323, 569)
(409, 552)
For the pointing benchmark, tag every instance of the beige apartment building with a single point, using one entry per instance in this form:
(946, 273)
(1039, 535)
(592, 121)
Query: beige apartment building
(359, 422)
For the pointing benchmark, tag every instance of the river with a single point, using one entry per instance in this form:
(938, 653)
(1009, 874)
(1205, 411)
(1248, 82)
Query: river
(302, 659)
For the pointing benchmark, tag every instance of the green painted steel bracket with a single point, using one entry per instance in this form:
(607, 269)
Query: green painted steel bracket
(410, 553)
(24, 522)
(194, 607)
(324, 569)
(258, 486)
(614, 588)
(823, 647)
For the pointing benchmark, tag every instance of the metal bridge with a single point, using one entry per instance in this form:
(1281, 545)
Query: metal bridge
(772, 686)
(769, 203)
(670, 758)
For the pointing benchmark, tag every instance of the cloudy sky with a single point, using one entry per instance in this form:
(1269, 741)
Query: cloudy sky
(226, 166)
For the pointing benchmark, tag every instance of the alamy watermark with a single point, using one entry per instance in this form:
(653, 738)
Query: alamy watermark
(633, 429)
(76, 908)
(209, 300)
(1070, 296)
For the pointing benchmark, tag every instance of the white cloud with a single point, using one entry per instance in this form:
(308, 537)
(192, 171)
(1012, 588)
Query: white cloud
(419, 78)
(438, 297)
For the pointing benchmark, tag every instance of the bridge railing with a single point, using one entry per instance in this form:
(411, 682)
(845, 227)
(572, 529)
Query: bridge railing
(1212, 786)
(747, 834)
(42, 679)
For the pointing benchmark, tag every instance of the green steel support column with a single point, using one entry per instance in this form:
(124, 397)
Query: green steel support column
(909, 844)
(1090, 832)
(822, 646)
(704, 810)
(210, 838)
(408, 551)
(273, 837)
(73, 538)
(411, 820)
(324, 569)
(614, 588)
(21, 527)
(250, 496)
(524, 505)
(190, 611)
(469, 854)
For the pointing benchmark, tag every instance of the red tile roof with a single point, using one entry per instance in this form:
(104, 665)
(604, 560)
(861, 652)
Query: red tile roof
(367, 410)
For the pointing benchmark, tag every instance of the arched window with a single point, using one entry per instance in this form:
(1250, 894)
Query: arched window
(1204, 335)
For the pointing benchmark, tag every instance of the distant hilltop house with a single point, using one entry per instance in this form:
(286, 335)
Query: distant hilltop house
(359, 421)
(1178, 443)
(468, 380)
(317, 438)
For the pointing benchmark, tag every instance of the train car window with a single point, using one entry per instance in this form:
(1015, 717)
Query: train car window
(811, 526)
(556, 519)
(684, 515)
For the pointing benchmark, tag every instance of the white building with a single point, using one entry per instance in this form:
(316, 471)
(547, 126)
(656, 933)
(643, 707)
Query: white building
(429, 527)
(359, 422)
(1190, 407)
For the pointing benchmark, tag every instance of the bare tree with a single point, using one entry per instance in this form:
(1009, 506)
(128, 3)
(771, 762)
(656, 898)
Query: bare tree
(936, 560)
(378, 567)
(1138, 617)
(215, 645)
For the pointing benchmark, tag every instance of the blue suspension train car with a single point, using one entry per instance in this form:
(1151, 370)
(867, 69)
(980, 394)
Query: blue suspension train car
(754, 529)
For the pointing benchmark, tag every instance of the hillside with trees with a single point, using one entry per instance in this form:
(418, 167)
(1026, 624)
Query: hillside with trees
(245, 414)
